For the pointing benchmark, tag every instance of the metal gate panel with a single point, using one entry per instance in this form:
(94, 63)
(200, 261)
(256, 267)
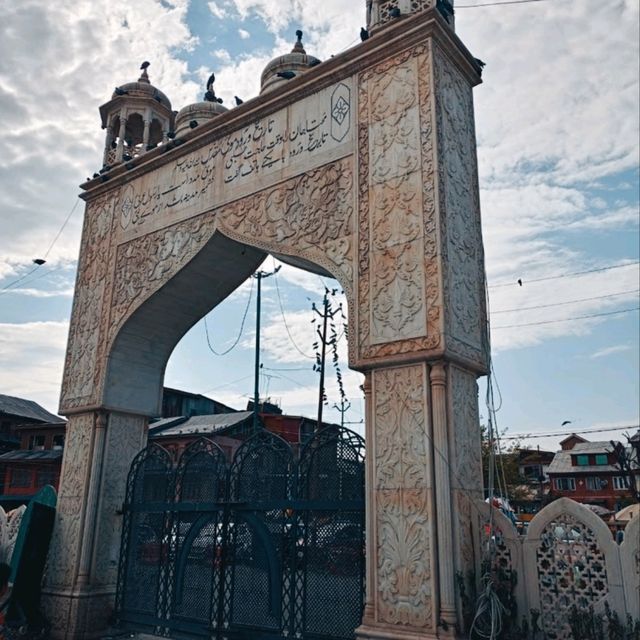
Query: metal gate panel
(265, 549)
(198, 534)
(142, 570)
(260, 494)
(331, 486)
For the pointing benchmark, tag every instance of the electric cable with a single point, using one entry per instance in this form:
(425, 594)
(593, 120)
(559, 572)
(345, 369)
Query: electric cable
(587, 317)
(559, 304)
(235, 344)
(495, 4)
(286, 326)
(64, 224)
(46, 254)
(526, 436)
(564, 275)
(5, 289)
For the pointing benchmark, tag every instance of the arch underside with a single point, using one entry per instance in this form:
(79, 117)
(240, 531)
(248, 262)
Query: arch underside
(191, 267)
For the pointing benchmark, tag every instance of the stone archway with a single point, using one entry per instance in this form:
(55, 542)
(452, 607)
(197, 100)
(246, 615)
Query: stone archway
(365, 170)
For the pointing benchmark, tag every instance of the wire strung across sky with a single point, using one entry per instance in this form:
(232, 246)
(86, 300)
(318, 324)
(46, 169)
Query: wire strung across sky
(44, 257)
(286, 326)
(557, 434)
(496, 4)
(559, 304)
(586, 317)
(235, 344)
(563, 275)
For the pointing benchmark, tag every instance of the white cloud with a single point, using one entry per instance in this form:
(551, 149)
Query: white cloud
(244, 34)
(609, 351)
(40, 293)
(217, 10)
(32, 356)
(222, 54)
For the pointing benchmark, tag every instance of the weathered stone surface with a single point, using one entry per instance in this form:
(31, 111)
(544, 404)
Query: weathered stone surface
(363, 169)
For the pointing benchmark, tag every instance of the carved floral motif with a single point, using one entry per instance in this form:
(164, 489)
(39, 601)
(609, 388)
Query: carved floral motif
(65, 543)
(310, 216)
(460, 207)
(402, 479)
(466, 480)
(82, 361)
(145, 264)
(398, 284)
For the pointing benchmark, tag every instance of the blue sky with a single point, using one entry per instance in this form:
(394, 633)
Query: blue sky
(557, 128)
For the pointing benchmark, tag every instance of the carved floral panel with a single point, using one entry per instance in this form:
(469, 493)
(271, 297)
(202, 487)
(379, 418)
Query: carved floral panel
(402, 497)
(460, 211)
(65, 544)
(397, 208)
(82, 365)
(466, 465)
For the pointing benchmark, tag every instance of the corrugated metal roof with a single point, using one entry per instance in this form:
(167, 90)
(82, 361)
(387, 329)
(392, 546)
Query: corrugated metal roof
(603, 446)
(27, 455)
(199, 424)
(561, 462)
(29, 409)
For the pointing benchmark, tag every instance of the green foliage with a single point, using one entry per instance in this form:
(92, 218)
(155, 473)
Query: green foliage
(589, 625)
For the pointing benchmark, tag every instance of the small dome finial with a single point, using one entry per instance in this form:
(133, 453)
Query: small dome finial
(210, 95)
(299, 47)
(144, 77)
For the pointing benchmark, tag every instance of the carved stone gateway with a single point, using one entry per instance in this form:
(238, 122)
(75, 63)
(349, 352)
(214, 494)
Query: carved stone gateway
(364, 169)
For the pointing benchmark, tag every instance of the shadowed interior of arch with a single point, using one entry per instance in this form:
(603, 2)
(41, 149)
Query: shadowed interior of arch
(140, 352)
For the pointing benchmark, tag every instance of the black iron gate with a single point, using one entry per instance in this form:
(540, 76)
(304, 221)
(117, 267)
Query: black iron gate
(269, 547)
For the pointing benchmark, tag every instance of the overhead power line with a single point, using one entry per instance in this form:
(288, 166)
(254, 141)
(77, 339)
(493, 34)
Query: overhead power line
(44, 257)
(557, 434)
(563, 275)
(559, 304)
(593, 315)
(495, 4)
(235, 344)
(286, 326)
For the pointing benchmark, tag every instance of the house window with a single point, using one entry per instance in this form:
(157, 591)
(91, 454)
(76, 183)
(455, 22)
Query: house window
(594, 484)
(36, 443)
(620, 482)
(20, 478)
(565, 484)
(58, 441)
(45, 476)
(601, 458)
(583, 460)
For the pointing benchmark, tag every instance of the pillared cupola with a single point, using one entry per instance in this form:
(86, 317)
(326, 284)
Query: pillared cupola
(381, 12)
(137, 118)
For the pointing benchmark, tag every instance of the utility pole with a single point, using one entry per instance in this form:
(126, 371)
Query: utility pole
(259, 276)
(326, 315)
(342, 408)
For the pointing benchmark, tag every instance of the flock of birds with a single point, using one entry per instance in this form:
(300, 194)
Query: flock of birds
(210, 95)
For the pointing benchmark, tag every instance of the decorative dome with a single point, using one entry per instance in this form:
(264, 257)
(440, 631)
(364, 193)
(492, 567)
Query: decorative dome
(280, 70)
(137, 118)
(142, 89)
(193, 115)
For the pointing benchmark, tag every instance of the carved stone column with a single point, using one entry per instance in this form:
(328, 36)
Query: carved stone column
(447, 616)
(79, 590)
(121, 134)
(401, 518)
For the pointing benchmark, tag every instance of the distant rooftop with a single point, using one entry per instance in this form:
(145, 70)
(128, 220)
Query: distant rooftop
(27, 409)
(32, 455)
(562, 463)
(197, 424)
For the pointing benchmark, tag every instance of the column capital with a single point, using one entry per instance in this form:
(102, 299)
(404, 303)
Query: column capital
(438, 373)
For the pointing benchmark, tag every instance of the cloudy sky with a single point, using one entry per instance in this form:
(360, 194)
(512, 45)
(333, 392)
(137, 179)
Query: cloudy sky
(557, 125)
